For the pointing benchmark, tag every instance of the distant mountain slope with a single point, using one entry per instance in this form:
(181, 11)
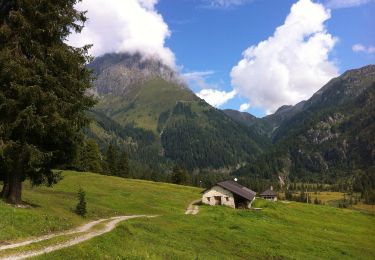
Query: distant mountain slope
(203, 137)
(265, 126)
(144, 107)
(144, 103)
(241, 117)
(332, 135)
(272, 122)
(338, 92)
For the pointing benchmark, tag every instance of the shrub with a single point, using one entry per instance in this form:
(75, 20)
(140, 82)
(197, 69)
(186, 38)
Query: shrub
(81, 206)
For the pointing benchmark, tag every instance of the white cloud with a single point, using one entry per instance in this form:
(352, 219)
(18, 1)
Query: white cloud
(124, 26)
(346, 3)
(361, 48)
(244, 107)
(290, 65)
(207, 90)
(199, 79)
(224, 3)
(216, 97)
(196, 74)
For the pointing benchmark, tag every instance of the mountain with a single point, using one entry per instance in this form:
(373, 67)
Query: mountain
(117, 74)
(271, 123)
(331, 136)
(267, 125)
(241, 117)
(337, 94)
(146, 108)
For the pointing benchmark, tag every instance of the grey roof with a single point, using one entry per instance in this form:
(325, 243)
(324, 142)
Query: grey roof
(269, 193)
(237, 189)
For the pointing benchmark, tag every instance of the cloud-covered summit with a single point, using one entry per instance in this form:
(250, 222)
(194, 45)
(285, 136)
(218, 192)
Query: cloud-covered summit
(132, 26)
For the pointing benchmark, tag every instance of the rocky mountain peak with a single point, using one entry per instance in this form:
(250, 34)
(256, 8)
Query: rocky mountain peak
(117, 73)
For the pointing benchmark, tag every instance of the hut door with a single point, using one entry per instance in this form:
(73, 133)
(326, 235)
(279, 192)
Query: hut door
(217, 200)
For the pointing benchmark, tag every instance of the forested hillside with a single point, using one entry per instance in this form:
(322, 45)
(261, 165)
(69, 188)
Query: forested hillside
(331, 138)
(200, 136)
(147, 111)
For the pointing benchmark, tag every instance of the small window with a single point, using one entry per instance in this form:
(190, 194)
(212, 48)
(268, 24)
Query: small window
(208, 198)
(227, 198)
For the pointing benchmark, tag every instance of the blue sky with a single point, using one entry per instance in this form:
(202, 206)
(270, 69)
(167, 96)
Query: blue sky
(212, 39)
(251, 54)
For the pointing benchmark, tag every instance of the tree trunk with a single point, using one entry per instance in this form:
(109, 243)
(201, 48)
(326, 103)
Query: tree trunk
(12, 190)
(15, 191)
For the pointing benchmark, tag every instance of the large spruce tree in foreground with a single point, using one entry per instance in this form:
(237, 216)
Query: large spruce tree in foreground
(43, 82)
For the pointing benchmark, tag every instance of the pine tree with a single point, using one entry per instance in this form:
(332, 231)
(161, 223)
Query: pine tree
(77, 163)
(92, 157)
(180, 175)
(123, 165)
(81, 206)
(112, 158)
(43, 84)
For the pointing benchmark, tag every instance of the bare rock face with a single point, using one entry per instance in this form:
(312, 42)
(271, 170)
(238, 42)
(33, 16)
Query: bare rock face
(117, 73)
(324, 131)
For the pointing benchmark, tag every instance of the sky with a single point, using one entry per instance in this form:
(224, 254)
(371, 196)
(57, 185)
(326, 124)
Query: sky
(248, 55)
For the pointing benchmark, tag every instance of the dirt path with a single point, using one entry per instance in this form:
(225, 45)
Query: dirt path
(112, 222)
(193, 209)
(80, 229)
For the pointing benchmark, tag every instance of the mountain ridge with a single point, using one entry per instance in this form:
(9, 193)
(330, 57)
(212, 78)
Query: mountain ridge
(332, 137)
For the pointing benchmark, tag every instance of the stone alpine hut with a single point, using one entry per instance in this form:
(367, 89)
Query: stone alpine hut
(269, 194)
(229, 193)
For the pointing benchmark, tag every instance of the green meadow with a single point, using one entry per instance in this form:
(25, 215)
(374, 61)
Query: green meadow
(52, 209)
(278, 231)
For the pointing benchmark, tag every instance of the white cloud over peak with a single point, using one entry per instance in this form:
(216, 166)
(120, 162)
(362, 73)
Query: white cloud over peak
(290, 65)
(207, 90)
(361, 48)
(346, 3)
(244, 107)
(216, 97)
(198, 79)
(124, 26)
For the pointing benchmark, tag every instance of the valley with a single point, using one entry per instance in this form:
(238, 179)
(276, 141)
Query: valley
(205, 129)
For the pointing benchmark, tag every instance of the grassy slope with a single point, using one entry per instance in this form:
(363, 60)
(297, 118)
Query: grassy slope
(280, 230)
(141, 107)
(106, 196)
(290, 231)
